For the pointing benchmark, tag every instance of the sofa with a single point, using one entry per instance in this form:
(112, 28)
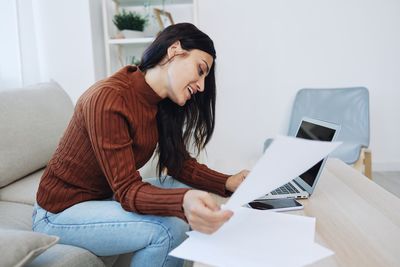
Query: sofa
(32, 120)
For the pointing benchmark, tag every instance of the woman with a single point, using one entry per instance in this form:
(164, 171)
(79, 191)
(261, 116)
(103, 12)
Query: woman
(91, 194)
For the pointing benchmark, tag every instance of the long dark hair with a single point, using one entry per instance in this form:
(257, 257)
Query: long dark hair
(195, 121)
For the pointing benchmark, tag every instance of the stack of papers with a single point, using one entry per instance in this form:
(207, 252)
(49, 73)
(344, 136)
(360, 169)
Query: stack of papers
(258, 237)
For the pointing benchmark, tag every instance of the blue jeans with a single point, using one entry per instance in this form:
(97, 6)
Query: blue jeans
(105, 228)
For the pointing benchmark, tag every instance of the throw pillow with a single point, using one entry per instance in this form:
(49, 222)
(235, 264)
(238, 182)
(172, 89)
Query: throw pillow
(20, 247)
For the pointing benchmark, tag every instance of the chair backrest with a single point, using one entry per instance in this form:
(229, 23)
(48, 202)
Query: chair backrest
(348, 107)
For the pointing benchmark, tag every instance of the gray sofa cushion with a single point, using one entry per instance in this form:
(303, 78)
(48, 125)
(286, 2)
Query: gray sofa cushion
(32, 121)
(15, 216)
(20, 247)
(66, 256)
(23, 190)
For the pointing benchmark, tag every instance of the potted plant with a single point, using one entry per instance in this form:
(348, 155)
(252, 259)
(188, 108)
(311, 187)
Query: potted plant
(131, 24)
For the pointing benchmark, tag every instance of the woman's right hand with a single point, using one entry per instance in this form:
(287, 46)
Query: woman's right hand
(203, 213)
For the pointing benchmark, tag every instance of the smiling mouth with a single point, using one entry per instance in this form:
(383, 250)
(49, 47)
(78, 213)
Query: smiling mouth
(190, 90)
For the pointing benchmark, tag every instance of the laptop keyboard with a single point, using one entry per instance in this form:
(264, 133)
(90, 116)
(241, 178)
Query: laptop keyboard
(285, 189)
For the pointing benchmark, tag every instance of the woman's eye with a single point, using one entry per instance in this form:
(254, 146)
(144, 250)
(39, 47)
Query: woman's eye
(201, 72)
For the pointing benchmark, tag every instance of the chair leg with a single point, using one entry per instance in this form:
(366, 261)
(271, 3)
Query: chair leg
(359, 164)
(364, 163)
(368, 163)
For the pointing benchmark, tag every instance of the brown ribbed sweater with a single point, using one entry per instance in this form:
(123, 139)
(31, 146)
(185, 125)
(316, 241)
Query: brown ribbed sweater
(113, 133)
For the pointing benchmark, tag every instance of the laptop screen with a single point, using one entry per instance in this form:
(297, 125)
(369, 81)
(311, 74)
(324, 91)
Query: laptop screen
(313, 131)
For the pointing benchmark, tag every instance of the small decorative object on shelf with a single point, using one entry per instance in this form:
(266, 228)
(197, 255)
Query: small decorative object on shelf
(163, 17)
(131, 24)
(120, 47)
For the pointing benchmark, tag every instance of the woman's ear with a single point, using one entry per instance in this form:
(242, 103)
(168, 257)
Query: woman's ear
(174, 49)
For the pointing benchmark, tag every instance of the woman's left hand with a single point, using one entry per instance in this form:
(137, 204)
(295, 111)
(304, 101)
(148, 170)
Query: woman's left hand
(234, 181)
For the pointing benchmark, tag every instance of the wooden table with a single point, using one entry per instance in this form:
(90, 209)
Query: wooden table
(356, 218)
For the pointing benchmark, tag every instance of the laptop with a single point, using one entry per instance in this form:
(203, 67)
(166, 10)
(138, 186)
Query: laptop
(303, 186)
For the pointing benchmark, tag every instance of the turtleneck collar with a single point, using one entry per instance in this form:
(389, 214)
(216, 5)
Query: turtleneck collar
(142, 88)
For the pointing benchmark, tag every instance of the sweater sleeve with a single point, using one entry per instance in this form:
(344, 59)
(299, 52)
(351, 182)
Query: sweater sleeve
(201, 177)
(106, 121)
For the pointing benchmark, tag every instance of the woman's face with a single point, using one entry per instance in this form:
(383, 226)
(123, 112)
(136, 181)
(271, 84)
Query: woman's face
(186, 73)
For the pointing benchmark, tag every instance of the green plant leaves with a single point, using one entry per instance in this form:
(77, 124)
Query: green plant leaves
(130, 21)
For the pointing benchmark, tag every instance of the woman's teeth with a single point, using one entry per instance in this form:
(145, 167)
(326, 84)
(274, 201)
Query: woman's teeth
(190, 90)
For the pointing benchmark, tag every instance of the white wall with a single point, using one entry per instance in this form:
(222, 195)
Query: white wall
(97, 39)
(267, 50)
(10, 63)
(28, 43)
(51, 40)
(65, 43)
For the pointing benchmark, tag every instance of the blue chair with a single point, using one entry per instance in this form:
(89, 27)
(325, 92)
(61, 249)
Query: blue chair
(348, 107)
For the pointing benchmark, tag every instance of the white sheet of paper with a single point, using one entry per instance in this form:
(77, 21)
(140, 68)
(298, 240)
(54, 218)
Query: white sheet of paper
(285, 159)
(198, 250)
(264, 238)
(247, 221)
(256, 238)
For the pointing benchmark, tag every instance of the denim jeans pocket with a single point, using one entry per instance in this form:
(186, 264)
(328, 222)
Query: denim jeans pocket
(38, 215)
(34, 213)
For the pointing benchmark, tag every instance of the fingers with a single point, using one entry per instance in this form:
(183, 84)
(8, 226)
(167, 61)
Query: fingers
(212, 217)
(209, 223)
(210, 210)
(210, 202)
(243, 174)
(203, 213)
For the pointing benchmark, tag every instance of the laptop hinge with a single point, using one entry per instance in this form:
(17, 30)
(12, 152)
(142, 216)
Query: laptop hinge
(299, 185)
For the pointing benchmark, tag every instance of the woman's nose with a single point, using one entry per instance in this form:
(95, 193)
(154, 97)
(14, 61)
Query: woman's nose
(200, 85)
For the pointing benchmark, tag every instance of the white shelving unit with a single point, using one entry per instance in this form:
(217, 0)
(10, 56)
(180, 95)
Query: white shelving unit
(145, 40)
(115, 47)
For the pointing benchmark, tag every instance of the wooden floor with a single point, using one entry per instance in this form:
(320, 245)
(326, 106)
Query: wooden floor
(388, 180)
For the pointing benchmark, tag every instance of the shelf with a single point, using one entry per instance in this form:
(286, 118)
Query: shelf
(124, 3)
(118, 49)
(144, 40)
